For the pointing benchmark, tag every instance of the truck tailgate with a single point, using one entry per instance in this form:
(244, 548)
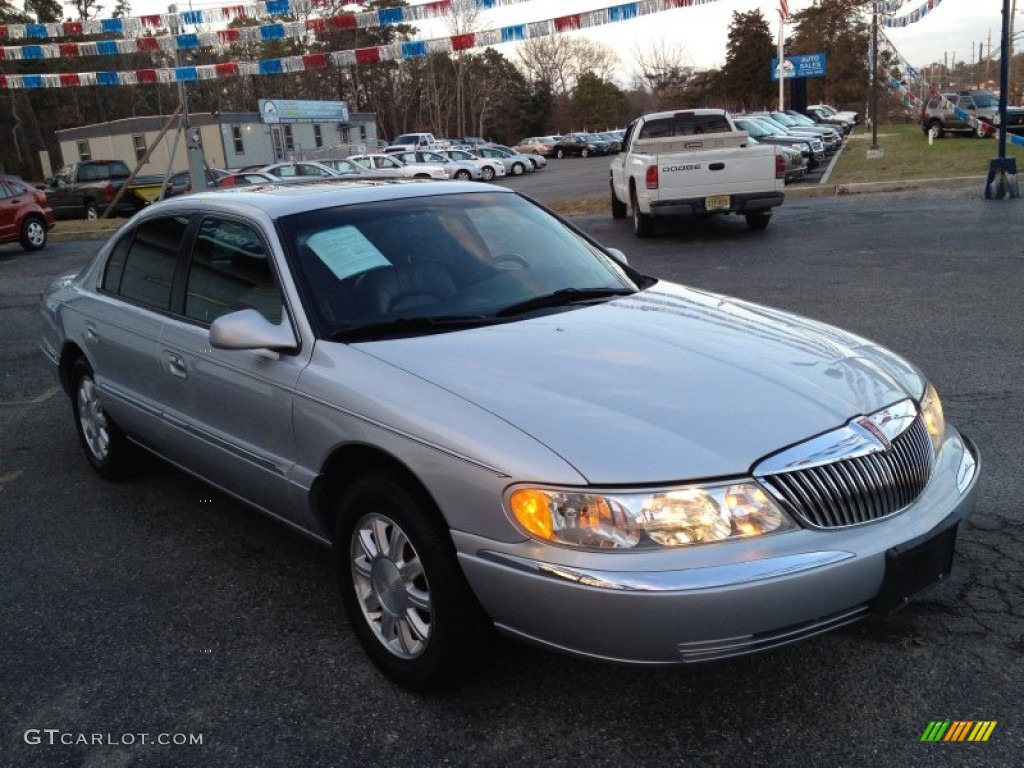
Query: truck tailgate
(728, 171)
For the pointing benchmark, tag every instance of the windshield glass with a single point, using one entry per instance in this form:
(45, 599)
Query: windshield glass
(446, 258)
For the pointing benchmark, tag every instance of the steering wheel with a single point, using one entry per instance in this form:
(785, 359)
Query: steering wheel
(510, 261)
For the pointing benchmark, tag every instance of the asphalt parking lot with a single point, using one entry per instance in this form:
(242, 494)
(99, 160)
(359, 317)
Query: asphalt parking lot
(160, 607)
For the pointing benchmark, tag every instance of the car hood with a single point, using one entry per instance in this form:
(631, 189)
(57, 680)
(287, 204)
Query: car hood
(668, 384)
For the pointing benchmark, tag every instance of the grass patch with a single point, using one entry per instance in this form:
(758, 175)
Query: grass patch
(909, 156)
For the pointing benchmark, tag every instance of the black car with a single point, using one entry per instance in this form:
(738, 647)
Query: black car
(579, 145)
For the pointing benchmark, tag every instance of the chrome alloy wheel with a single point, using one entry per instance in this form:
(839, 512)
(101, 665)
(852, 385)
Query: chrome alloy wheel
(391, 586)
(35, 233)
(93, 420)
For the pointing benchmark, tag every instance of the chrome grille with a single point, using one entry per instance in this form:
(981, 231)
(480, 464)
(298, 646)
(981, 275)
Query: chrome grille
(860, 489)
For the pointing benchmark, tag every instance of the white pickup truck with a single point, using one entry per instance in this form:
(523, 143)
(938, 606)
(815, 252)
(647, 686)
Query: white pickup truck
(694, 163)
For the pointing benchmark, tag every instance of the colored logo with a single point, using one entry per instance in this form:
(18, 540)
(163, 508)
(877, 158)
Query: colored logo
(958, 730)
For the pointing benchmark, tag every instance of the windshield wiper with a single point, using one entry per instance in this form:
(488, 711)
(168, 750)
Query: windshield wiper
(411, 325)
(562, 296)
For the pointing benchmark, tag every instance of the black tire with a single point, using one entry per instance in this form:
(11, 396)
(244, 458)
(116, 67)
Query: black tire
(105, 445)
(758, 220)
(619, 208)
(936, 127)
(92, 212)
(488, 173)
(403, 591)
(518, 169)
(643, 223)
(463, 175)
(584, 152)
(33, 233)
(560, 154)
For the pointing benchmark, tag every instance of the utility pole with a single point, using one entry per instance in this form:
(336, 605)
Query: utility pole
(874, 75)
(196, 161)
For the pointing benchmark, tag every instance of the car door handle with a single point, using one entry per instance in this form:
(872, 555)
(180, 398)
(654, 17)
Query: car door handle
(176, 365)
(716, 166)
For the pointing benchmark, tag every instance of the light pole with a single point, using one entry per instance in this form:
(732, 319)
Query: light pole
(196, 162)
(874, 75)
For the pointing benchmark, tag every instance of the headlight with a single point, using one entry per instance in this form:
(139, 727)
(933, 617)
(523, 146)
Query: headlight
(801, 148)
(931, 412)
(670, 518)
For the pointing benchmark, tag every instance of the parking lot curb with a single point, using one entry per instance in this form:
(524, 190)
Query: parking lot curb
(829, 190)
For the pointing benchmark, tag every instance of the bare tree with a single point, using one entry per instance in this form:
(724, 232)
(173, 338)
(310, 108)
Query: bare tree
(661, 68)
(559, 60)
(460, 19)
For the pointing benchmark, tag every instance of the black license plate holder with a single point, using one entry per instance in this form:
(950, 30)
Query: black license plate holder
(912, 568)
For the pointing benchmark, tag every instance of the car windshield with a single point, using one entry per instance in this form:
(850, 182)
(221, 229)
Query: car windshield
(433, 264)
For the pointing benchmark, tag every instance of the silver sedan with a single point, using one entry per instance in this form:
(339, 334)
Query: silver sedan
(493, 421)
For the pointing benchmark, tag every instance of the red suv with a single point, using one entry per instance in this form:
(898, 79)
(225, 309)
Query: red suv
(25, 215)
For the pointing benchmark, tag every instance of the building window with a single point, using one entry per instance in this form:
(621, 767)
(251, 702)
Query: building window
(83, 151)
(362, 132)
(289, 141)
(236, 138)
(139, 142)
(318, 137)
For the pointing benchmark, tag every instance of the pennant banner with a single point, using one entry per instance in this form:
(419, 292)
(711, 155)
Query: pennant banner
(912, 17)
(397, 51)
(136, 25)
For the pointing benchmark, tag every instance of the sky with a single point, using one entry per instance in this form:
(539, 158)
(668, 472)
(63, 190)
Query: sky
(701, 32)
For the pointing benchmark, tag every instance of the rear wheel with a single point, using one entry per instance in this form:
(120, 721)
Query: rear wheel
(560, 154)
(92, 212)
(584, 152)
(33, 234)
(758, 219)
(106, 447)
(401, 585)
(936, 130)
(643, 223)
(518, 169)
(463, 175)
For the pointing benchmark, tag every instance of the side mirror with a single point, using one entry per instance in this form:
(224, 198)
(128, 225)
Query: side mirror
(248, 329)
(618, 255)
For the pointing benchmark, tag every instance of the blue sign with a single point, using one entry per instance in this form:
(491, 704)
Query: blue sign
(283, 111)
(808, 65)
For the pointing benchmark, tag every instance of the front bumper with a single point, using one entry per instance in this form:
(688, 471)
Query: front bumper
(711, 601)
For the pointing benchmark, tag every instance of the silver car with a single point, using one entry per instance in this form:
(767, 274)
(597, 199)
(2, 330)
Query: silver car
(496, 422)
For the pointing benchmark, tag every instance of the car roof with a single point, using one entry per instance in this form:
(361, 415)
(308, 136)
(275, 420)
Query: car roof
(277, 200)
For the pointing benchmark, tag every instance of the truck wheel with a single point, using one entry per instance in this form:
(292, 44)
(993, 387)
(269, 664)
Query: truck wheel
(33, 234)
(758, 219)
(643, 223)
(619, 208)
(91, 211)
(935, 127)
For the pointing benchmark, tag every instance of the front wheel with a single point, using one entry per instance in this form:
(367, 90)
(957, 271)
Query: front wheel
(463, 175)
(757, 220)
(518, 169)
(401, 586)
(488, 173)
(33, 234)
(619, 208)
(584, 152)
(92, 212)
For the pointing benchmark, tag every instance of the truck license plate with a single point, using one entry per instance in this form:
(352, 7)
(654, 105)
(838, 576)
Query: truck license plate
(716, 203)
